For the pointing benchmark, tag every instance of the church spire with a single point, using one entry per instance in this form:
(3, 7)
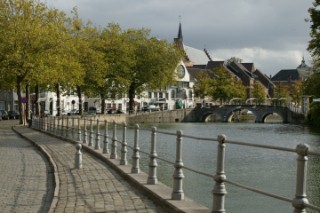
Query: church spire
(180, 37)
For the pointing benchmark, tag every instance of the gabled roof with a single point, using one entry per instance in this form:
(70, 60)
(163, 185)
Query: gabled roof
(196, 56)
(265, 80)
(249, 66)
(239, 70)
(193, 72)
(286, 75)
(214, 65)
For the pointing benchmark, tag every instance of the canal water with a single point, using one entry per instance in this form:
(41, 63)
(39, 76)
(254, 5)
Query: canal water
(269, 170)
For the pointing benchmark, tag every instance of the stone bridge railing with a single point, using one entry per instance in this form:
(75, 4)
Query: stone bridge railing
(224, 113)
(87, 132)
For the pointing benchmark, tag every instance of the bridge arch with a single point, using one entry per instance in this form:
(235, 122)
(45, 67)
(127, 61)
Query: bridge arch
(225, 113)
(265, 115)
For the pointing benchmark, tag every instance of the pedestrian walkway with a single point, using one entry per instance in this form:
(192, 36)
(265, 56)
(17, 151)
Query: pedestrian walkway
(25, 177)
(94, 188)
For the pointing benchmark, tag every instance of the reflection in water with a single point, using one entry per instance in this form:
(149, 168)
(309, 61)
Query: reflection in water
(269, 170)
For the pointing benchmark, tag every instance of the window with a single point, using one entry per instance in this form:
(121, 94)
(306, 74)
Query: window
(190, 94)
(173, 94)
(149, 94)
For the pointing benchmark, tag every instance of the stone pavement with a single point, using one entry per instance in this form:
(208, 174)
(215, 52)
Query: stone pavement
(94, 188)
(25, 177)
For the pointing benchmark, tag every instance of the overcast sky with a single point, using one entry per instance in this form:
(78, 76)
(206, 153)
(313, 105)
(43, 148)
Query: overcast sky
(272, 34)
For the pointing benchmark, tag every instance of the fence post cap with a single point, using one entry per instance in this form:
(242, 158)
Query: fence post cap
(221, 138)
(302, 149)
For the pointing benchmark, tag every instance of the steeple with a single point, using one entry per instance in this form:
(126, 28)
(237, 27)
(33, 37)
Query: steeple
(180, 37)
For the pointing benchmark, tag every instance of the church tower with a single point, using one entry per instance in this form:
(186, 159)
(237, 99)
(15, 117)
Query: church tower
(179, 40)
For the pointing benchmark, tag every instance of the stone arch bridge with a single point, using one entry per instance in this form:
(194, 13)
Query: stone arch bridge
(224, 113)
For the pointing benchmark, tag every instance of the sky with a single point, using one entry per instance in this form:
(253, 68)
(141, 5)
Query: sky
(273, 34)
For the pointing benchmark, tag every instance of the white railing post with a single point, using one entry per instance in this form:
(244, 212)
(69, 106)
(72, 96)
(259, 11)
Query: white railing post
(106, 139)
(113, 154)
(58, 126)
(219, 190)
(91, 133)
(136, 155)
(85, 131)
(97, 145)
(152, 178)
(177, 193)
(301, 181)
(54, 126)
(78, 158)
(123, 160)
(49, 127)
(62, 125)
(73, 128)
(79, 129)
(67, 127)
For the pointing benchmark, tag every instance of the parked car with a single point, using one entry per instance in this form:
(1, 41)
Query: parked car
(73, 112)
(151, 108)
(13, 114)
(4, 115)
(92, 111)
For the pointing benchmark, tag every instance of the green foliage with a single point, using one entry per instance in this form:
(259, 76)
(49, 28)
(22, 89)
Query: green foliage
(311, 85)
(259, 92)
(314, 114)
(203, 85)
(225, 86)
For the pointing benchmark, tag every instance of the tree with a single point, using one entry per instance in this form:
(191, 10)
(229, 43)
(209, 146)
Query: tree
(311, 85)
(33, 44)
(202, 86)
(225, 86)
(150, 63)
(259, 92)
(314, 46)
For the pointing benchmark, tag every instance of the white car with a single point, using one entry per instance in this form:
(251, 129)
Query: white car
(152, 108)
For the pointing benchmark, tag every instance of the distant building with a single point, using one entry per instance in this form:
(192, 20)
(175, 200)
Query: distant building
(200, 60)
(285, 78)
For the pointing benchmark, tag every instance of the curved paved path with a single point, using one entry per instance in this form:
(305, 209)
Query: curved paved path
(25, 180)
(95, 188)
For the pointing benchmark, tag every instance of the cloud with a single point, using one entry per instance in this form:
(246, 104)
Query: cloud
(273, 30)
(268, 61)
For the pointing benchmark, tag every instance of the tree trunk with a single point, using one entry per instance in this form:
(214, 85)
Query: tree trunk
(80, 100)
(132, 91)
(28, 101)
(37, 91)
(103, 103)
(20, 105)
(58, 100)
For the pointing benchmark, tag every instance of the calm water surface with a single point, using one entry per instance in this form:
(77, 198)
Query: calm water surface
(269, 170)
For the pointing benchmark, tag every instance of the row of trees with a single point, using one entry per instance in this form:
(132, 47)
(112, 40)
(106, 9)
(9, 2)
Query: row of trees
(221, 85)
(312, 84)
(40, 47)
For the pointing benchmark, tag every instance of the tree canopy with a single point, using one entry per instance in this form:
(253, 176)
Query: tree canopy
(42, 46)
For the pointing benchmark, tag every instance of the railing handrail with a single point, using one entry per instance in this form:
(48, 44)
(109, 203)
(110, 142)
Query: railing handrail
(300, 201)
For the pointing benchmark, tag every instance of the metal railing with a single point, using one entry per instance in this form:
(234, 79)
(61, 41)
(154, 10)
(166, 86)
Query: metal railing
(61, 127)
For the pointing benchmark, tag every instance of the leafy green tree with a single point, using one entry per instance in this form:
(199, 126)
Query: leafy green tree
(259, 92)
(202, 86)
(151, 63)
(297, 92)
(33, 44)
(225, 86)
(87, 51)
(311, 86)
(314, 46)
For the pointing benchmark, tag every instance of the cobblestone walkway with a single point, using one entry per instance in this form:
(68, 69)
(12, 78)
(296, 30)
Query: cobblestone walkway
(25, 179)
(95, 188)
